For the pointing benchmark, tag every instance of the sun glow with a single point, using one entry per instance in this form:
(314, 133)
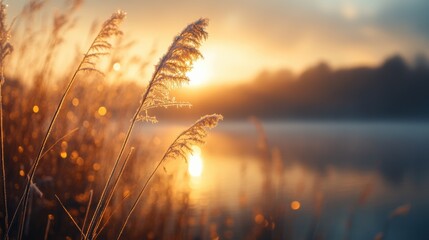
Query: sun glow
(200, 73)
(195, 162)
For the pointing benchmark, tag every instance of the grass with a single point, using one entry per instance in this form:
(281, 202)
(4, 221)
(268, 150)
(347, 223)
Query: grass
(5, 49)
(28, 114)
(99, 47)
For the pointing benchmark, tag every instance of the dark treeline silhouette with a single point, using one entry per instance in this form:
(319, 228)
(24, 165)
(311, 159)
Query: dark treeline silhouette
(393, 90)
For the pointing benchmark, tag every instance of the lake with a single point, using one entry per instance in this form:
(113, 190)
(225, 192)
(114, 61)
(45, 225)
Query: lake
(310, 180)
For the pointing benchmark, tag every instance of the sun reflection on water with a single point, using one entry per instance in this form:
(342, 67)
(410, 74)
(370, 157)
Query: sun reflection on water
(195, 162)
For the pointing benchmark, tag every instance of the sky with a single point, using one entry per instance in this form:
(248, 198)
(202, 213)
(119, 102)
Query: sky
(247, 37)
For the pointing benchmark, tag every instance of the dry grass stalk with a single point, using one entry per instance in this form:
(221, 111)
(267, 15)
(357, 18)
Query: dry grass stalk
(401, 210)
(98, 48)
(32, 185)
(115, 184)
(117, 208)
(91, 193)
(169, 73)
(5, 49)
(48, 226)
(180, 147)
(70, 216)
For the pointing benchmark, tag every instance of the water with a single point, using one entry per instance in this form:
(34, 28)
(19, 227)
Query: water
(348, 178)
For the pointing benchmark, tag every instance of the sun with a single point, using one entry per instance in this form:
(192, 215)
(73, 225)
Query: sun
(200, 73)
(195, 162)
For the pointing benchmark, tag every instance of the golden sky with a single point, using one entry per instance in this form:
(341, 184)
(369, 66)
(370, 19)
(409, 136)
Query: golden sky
(249, 36)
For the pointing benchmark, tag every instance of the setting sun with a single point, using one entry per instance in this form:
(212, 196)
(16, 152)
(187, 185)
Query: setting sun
(195, 162)
(200, 74)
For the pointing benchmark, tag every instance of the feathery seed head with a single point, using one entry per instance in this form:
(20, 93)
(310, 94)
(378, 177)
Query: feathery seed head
(75, 4)
(194, 135)
(101, 46)
(111, 26)
(32, 6)
(171, 70)
(4, 32)
(181, 54)
(5, 47)
(400, 211)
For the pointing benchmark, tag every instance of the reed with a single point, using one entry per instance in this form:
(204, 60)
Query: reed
(91, 193)
(401, 210)
(5, 49)
(170, 73)
(115, 184)
(48, 225)
(99, 47)
(179, 149)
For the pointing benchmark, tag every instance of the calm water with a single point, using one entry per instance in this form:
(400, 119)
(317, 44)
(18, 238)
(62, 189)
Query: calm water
(349, 178)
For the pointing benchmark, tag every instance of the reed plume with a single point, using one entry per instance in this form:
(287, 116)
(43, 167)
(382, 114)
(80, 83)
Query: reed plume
(32, 6)
(62, 23)
(402, 210)
(99, 47)
(169, 73)
(180, 147)
(5, 49)
(172, 68)
(194, 135)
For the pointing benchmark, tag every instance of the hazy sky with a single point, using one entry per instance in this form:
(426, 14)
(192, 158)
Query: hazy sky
(248, 36)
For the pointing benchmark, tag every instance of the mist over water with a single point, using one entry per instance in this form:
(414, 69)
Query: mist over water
(349, 177)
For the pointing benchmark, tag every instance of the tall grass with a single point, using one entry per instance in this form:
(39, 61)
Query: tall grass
(181, 146)
(98, 48)
(169, 74)
(5, 49)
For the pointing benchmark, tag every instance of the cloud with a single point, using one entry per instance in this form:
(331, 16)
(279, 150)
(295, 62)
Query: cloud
(408, 16)
(252, 35)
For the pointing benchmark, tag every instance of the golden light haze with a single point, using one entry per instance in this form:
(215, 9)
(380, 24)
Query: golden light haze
(195, 162)
(249, 36)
